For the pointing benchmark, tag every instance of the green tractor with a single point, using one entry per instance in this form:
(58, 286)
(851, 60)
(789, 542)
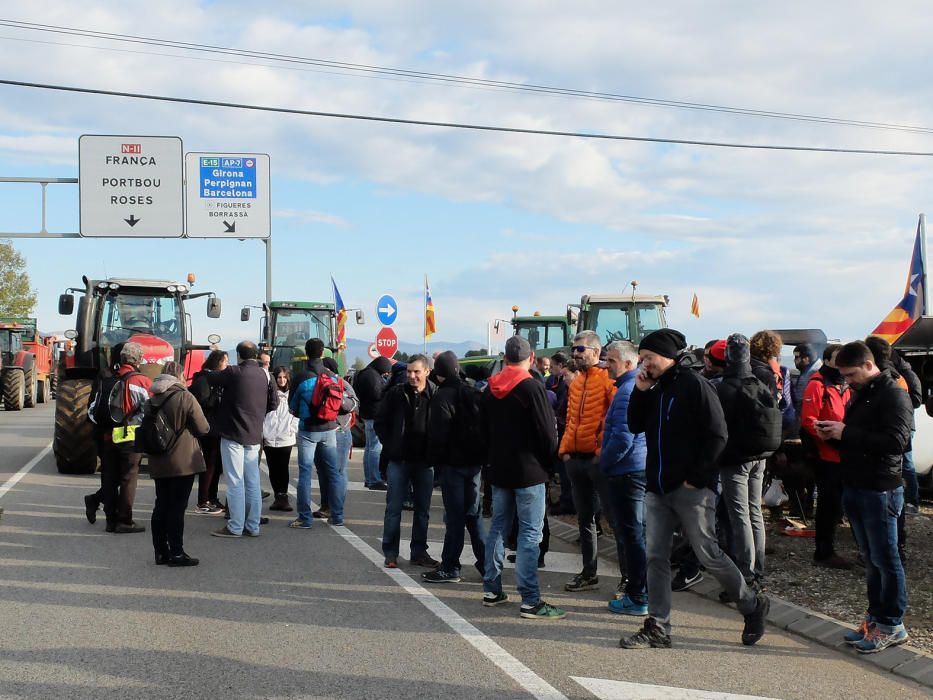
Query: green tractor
(545, 334)
(627, 316)
(287, 325)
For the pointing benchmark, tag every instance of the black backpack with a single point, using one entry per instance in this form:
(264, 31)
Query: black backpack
(467, 426)
(155, 435)
(755, 430)
(109, 406)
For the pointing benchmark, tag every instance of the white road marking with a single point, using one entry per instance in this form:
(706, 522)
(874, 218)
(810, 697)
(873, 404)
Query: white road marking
(13, 480)
(515, 669)
(622, 690)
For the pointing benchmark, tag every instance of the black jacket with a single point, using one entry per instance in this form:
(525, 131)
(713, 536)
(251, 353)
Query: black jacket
(208, 398)
(248, 396)
(370, 386)
(684, 427)
(402, 432)
(447, 433)
(520, 430)
(877, 433)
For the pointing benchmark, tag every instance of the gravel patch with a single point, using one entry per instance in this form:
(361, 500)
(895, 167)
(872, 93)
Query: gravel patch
(790, 574)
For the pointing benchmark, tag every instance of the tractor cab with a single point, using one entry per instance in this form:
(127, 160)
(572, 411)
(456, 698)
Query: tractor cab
(288, 325)
(619, 317)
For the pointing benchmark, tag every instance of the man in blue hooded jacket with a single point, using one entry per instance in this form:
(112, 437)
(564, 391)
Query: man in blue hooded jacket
(622, 461)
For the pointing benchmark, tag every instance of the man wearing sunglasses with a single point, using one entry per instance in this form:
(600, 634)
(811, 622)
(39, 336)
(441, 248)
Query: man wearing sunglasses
(589, 399)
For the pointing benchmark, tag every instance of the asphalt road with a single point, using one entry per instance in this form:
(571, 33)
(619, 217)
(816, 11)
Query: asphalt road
(300, 614)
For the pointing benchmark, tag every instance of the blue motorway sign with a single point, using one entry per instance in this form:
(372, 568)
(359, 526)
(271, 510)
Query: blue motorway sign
(227, 178)
(386, 310)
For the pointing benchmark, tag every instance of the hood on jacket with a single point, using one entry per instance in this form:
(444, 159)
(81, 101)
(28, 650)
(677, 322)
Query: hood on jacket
(383, 365)
(738, 356)
(163, 386)
(446, 365)
(501, 384)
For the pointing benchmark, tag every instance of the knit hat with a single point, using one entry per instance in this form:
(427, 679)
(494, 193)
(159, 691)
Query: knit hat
(446, 365)
(331, 364)
(517, 349)
(665, 342)
(717, 353)
(737, 350)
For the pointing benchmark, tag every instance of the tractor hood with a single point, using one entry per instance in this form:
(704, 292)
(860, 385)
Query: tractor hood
(156, 351)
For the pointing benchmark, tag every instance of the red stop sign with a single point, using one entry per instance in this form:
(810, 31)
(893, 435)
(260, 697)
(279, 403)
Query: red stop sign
(387, 342)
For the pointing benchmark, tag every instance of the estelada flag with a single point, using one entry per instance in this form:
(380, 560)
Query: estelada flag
(341, 310)
(695, 306)
(430, 328)
(912, 306)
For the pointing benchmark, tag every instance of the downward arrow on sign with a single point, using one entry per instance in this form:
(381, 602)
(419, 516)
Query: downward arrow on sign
(132, 221)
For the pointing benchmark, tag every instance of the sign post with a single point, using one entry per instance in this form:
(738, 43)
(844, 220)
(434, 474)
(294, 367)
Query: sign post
(131, 186)
(228, 195)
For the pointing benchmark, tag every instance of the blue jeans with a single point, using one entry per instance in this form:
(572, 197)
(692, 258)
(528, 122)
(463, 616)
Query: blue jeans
(911, 485)
(873, 517)
(460, 488)
(241, 472)
(626, 496)
(371, 454)
(342, 454)
(529, 504)
(421, 478)
(309, 443)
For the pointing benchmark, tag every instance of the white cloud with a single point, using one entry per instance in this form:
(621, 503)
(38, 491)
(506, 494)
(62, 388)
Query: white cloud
(752, 228)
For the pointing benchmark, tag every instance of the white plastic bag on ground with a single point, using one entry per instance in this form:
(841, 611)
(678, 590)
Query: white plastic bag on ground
(775, 495)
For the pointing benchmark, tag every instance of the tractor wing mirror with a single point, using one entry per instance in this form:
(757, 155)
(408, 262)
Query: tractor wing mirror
(244, 313)
(213, 307)
(66, 304)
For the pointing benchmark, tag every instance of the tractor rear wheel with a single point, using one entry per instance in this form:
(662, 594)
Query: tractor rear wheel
(74, 443)
(14, 389)
(32, 388)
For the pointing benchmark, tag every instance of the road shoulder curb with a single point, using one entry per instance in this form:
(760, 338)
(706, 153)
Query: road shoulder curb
(903, 661)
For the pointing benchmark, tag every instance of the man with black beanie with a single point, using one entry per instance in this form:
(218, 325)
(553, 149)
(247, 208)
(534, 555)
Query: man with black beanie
(685, 429)
(455, 448)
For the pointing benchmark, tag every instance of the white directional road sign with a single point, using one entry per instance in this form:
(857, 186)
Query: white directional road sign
(228, 195)
(131, 186)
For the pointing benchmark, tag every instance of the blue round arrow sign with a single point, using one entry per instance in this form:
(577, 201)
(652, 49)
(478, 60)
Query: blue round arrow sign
(386, 310)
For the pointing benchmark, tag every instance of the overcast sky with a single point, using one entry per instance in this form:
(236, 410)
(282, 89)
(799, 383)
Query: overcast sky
(764, 238)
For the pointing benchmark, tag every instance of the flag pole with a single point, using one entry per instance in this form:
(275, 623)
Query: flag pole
(923, 256)
(424, 317)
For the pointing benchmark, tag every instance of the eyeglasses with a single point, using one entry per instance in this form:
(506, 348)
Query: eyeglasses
(581, 348)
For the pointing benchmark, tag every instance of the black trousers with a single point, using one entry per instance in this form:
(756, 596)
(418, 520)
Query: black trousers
(277, 460)
(168, 514)
(828, 507)
(119, 470)
(209, 479)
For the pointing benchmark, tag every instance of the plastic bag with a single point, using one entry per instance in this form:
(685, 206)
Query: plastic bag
(775, 495)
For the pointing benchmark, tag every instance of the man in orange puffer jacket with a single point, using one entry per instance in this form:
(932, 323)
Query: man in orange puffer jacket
(589, 399)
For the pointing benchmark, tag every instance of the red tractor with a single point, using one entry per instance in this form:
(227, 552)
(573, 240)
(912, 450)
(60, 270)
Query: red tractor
(112, 312)
(25, 364)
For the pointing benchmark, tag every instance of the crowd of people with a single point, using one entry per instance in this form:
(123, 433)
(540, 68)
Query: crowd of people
(672, 450)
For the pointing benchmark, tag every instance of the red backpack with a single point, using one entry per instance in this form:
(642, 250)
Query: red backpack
(327, 397)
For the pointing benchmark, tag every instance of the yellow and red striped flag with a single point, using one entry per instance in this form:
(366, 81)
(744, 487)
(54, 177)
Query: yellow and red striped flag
(341, 311)
(913, 305)
(695, 306)
(430, 327)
